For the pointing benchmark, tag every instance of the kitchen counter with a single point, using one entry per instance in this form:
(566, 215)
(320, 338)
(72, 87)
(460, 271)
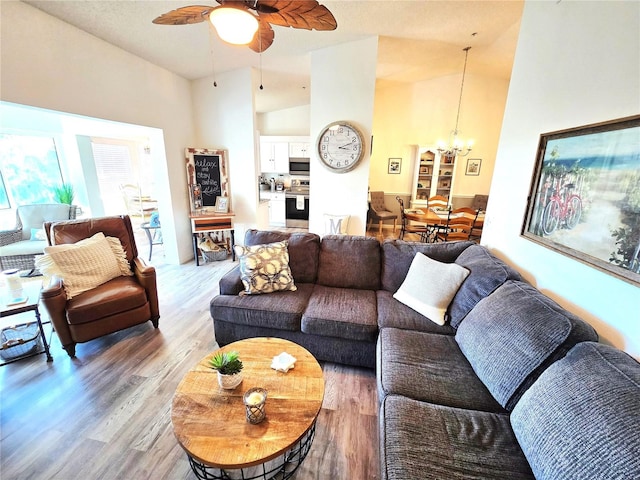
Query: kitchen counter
(268, 194)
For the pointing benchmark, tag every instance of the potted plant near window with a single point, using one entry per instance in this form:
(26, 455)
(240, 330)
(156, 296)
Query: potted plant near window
(64, 193)
(229, 367)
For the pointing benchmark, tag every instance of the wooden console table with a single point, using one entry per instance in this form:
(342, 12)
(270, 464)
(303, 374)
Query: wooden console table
(211, 222)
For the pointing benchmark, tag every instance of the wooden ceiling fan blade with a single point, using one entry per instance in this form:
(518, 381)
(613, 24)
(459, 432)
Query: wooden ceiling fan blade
(263, 37)
(303, 14)
(185, 15)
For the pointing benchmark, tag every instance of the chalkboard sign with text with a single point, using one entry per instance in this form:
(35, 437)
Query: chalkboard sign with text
(206, 176)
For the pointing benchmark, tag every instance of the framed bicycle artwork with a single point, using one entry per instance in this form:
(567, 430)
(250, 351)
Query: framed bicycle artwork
(584, 200)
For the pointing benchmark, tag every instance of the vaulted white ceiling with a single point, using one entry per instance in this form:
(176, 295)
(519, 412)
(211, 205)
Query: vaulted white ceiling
(418, 40)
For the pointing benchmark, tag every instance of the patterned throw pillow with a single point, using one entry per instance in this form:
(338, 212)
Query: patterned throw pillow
(265, 268)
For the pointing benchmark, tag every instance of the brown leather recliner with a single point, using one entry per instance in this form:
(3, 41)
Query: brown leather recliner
(115, 305)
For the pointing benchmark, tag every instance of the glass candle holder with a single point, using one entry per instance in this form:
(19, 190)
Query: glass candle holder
(254, 401)
(13, 282)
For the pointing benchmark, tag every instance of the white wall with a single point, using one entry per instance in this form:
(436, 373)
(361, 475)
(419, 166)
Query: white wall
(50, 64)
(288, 121)
(225, 118)
(342, 88)
(576, 63)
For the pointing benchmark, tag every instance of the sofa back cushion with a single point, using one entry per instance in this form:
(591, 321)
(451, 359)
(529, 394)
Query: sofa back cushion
(514, 334)
(397, 256)
(581, 418)
(349, 261)
(487, 273)
(303, 249)
(34, 216)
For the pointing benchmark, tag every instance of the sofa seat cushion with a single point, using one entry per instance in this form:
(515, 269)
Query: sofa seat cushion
(121, 294)
(515, 333)
(435, 442)
(581, 418)
(487, 273)
(349, 261)
(342, 312)
(24, 247)
(431, 368)
(279, 310)
(392, 313)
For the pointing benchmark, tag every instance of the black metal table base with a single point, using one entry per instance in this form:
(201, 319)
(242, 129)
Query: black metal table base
(280, 468)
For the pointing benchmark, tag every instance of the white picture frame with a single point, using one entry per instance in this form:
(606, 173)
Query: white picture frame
(222, 205)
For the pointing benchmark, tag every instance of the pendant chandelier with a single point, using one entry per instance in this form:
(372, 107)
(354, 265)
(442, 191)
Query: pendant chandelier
(456, 146)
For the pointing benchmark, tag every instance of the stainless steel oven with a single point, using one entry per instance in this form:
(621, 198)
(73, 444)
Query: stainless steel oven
(296, 204)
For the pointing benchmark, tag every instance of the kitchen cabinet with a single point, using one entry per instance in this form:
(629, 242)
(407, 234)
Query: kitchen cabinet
(277, 213)
(300, 149)
(434, 175)
(274, 156)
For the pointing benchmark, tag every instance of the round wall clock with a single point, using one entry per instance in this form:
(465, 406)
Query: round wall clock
(340, 146)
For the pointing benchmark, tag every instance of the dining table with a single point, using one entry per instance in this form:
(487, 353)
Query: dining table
(434, 218)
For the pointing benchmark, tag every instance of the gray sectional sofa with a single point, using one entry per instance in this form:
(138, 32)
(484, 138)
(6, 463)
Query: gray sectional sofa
(512, 386)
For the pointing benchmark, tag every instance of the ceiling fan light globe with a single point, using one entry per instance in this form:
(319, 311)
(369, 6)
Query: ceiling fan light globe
(234, 25)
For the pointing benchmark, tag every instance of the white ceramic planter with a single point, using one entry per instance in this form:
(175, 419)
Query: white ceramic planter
(229, 382)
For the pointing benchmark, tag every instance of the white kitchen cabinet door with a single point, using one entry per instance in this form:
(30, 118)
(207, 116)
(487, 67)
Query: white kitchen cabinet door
(299, 150)
(277, 213)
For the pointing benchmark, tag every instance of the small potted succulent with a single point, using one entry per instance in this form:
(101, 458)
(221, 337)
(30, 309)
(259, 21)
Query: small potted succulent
(229, 368)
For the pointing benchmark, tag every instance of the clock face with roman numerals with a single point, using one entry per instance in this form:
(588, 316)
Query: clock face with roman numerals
(340, 147)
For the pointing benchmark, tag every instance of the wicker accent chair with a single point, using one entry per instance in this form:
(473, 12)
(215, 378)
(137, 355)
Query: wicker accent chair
(19, 246)
(120, 303)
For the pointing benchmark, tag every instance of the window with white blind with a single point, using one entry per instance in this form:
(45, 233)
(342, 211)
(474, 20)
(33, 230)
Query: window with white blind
(120, 168)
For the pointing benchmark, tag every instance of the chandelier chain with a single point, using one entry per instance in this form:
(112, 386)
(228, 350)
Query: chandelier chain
(464, 71)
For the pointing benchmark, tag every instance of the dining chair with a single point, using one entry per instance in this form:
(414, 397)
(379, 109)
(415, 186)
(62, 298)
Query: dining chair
(137, 205)
(438, 202)
(458, 227)
(412, 228)
(379, 211)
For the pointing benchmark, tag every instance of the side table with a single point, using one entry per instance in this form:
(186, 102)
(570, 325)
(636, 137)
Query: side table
(154, 238)
(32, 292)
(211, 222)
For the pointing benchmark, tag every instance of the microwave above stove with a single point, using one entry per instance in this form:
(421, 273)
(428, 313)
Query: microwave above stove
(298, 166)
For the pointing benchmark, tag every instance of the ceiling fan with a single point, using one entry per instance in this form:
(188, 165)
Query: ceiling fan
(304, 14)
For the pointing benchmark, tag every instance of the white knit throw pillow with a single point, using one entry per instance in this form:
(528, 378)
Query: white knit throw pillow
(430, 286)
(86, 264)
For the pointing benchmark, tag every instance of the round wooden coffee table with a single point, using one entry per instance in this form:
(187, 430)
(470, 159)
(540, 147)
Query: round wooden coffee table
(210, 422)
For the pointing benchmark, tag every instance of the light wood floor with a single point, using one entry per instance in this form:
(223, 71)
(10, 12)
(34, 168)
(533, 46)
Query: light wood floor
(106, 414)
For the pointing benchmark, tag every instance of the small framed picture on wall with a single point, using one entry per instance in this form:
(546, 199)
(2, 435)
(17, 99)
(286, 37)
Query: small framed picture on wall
(395, 165)
(473, 166)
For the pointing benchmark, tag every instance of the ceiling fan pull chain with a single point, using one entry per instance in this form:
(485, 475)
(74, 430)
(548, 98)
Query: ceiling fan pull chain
(213, 67)
(260, 40)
